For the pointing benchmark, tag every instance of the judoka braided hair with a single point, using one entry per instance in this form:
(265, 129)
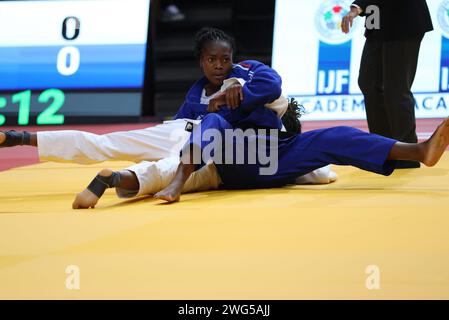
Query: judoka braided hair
(291, 117)
(207, 35)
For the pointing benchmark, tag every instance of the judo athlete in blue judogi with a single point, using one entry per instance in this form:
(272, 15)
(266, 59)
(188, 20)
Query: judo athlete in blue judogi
(295, 154)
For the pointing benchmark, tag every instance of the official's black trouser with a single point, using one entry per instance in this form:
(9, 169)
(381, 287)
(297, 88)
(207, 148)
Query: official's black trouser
(387, 72)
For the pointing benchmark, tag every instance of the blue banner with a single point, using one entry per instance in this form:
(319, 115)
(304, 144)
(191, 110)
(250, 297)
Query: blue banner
(444, 73)
(334, 64)
(80, 67)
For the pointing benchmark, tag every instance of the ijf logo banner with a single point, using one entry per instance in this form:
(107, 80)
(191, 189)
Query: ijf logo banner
(319, 64)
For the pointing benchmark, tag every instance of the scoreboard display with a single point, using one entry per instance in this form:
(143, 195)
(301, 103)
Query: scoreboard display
(320, 65)
(72, 60)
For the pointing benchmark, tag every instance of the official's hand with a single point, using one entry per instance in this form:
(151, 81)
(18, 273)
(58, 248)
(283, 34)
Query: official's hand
(216, 102)
(346, 22)
(234, 96)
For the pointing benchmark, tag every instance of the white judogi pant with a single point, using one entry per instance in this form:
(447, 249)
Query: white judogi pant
(146, 147)
(149, 144)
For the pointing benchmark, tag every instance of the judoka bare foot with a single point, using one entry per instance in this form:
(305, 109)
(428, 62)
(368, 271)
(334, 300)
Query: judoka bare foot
(437, 144)
(85, 200)
(172, 193)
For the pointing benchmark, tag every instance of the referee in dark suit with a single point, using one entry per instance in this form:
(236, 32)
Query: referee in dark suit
(388, 66)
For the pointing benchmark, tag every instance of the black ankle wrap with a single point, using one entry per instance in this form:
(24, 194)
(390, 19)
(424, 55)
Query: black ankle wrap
(14, 138)
(99, 184)
(26, 139)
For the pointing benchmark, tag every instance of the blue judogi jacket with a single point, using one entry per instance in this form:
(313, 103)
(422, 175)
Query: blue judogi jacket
(263, 85)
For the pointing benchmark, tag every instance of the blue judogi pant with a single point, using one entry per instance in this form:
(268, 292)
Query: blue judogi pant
(298, 154)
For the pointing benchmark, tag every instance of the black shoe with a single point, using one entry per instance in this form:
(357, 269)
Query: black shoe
(406, 164)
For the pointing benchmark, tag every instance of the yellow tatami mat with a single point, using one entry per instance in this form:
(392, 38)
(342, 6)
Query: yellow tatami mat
(363, 237)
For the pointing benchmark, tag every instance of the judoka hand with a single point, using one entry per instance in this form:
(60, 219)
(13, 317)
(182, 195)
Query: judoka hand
(346, 22)
(216, 102)
(234, 95)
